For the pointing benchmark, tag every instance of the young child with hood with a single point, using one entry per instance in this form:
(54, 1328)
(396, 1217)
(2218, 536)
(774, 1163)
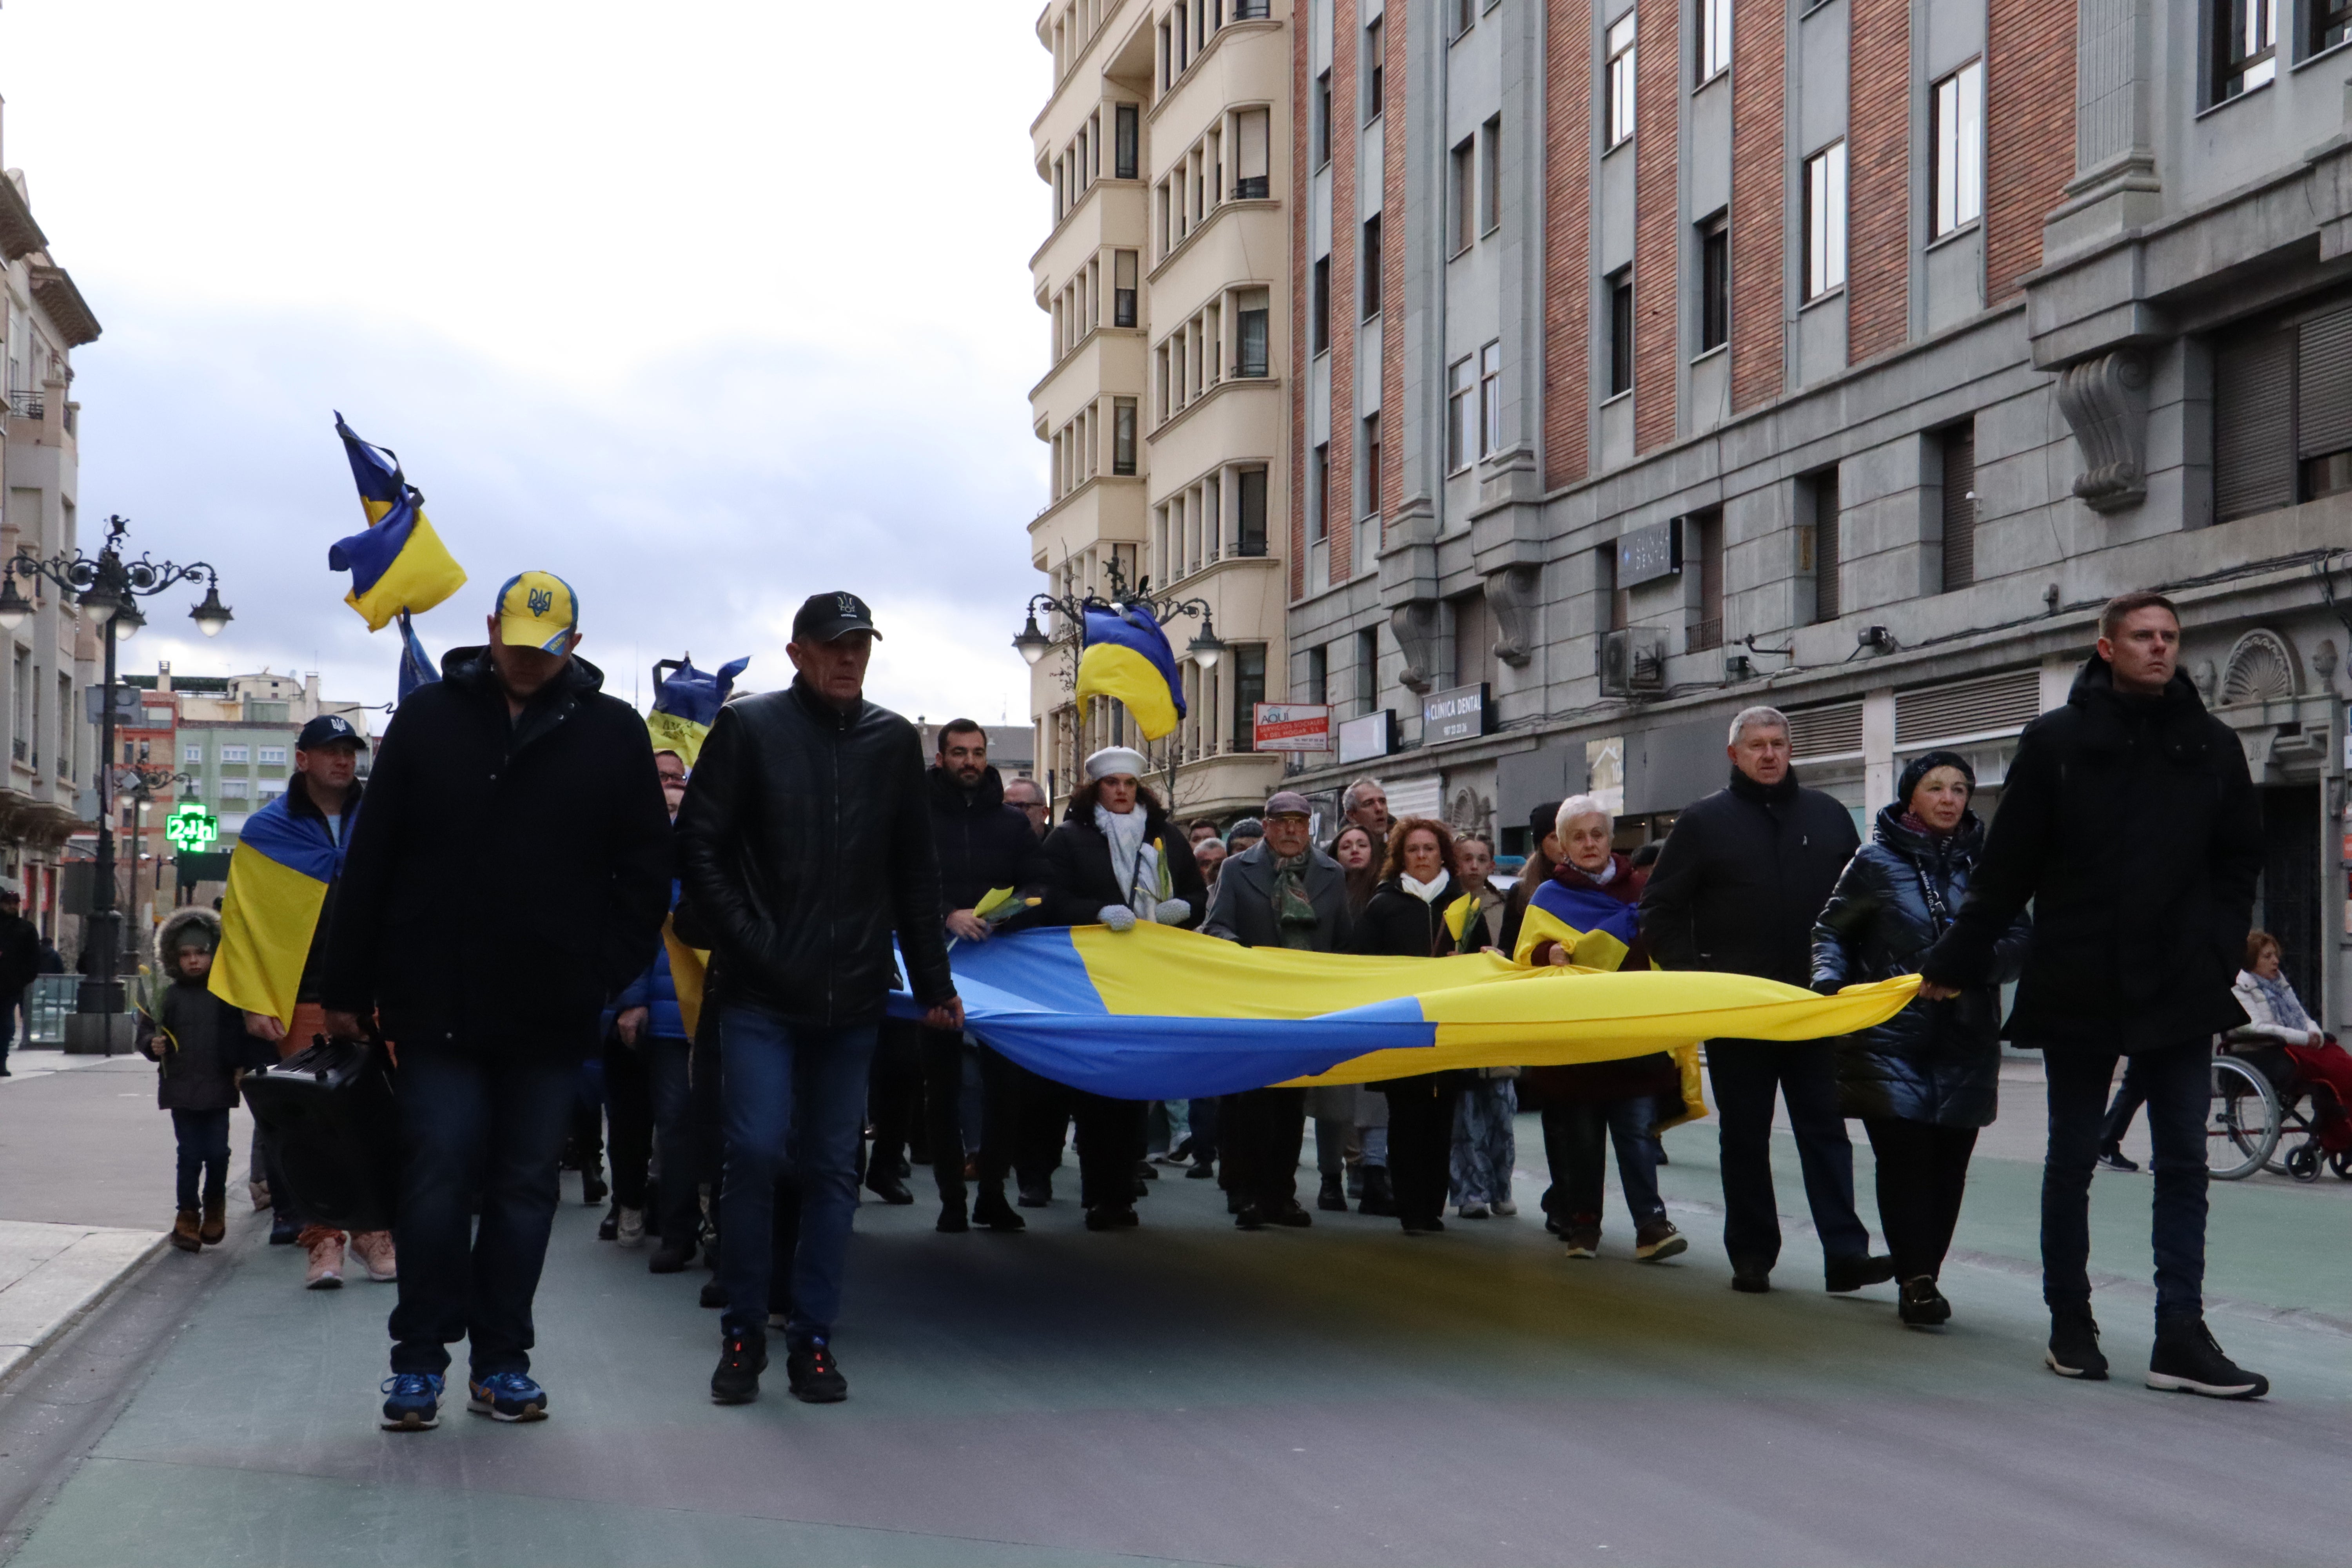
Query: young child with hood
(199, 1045)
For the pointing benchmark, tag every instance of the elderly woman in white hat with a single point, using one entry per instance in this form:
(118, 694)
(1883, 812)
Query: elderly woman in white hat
(1116, 860)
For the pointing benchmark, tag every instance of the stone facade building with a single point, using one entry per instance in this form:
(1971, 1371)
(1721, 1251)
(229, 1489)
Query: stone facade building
(1839, 354)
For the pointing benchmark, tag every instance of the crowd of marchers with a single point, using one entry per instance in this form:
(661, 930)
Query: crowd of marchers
(499, 925)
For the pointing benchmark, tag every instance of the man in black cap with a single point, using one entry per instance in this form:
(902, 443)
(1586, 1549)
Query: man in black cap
(805, 843)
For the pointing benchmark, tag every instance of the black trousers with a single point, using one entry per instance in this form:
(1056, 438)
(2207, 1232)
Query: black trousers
(894, 1098)
(628, 1121)
(1042, 1113)
(2178, 1083)
(1745, 1074)
(1111, 1141)
(1420, 1144)
(1264, 1130)
(1923, 1170)
(990, 1144)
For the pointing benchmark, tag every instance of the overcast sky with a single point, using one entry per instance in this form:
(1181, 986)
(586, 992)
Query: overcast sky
(704, 306)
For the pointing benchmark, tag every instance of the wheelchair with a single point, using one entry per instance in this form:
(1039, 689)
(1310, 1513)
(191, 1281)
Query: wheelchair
(2261, 1102)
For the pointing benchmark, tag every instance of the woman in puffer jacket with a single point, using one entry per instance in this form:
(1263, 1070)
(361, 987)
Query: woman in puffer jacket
(1927, 1080)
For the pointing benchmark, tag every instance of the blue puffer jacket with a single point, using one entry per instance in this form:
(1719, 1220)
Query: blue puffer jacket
(1934, 1061)
(654, 990)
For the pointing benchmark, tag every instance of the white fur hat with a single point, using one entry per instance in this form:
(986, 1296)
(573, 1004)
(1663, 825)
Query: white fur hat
(1113, 760)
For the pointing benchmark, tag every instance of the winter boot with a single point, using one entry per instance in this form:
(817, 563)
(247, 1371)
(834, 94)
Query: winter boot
(184, 1235)
(215, 1229)
(1379, 1198)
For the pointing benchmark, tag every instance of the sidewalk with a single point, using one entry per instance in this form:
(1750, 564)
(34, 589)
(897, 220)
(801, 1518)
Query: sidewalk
(50, 1275)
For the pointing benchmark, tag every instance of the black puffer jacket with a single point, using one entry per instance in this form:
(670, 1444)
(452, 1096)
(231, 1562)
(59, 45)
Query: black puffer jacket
(509, 875)
(1396, 924)
(983, 844)
(804, 840)
(2135, 829)
(1934, 1061)
(1079, 879)
(1742, 875)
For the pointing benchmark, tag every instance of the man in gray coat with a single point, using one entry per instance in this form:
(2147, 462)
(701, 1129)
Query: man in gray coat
(1279, 892)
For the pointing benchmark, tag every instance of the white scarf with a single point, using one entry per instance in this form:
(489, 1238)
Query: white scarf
(1603, 876)
(1135, 863)
(1426, 892)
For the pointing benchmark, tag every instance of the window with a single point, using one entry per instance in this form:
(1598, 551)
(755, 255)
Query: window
(1371, 465)
(1616, 611)
(1621, 331)
(1318, 306)
(2245, 54)
(1703, 538)
(1375, 55)
(1714, 283)
(1127, 139)
(2331, 24)
(232, 789)
(1490, 175)
(1620, 104)
(1371, 267)
(2282, 414)
(1250, 505)
(1826, 221)
(1250, 308)
(1122, 288)
(1714, 30)
(1460, 14)
(1320, 503)
(268, 756)
(268, 787)
(235, 753)
(1318, 674)
(1959, 148)
(1321, 129)
(1461, 385)
(1368, 670)
(1249, 691)
(194, 752)
(1958, 450)
(1122, 436)
(1250, 177)
(1465, 197)
(1817, 549)
(1490, 400)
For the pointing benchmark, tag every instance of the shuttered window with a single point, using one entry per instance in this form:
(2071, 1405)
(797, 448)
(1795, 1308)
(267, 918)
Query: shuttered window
(2254, 425)
(2323, 404)
(1829, 731)
(1822, 491)
(1985, 705)
(1959, 445)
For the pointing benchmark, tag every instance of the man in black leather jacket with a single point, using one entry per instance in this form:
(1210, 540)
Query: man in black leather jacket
(805, 839)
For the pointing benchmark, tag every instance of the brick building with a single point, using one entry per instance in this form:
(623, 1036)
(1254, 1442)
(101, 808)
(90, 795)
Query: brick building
(1658, 357)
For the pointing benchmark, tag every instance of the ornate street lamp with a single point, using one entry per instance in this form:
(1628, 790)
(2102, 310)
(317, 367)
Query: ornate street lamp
(108, 589)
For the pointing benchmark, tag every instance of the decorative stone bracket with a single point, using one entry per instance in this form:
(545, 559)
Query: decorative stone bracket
(1512, 594)
(1416, 624)
(2104, 401)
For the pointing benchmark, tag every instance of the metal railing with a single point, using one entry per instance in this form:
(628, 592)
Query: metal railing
(48, 1000)
(1705, 634)
(28, 403)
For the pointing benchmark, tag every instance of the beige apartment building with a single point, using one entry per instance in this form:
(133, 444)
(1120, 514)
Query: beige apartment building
(1165, 277)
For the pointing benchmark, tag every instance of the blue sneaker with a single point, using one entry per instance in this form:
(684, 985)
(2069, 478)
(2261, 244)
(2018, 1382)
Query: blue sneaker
(507, 1396)
(412, 1402)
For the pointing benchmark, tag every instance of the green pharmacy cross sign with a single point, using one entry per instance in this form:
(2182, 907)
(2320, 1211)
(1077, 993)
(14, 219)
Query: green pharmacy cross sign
(192, 827)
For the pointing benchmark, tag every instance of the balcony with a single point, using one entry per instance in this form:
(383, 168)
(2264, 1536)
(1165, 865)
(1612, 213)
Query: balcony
(28, 403)
(1703, 635)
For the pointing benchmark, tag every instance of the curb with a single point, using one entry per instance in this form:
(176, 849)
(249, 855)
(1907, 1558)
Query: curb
(17, 1355)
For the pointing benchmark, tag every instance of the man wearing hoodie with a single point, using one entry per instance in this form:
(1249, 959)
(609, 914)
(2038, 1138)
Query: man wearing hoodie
(2129, 820)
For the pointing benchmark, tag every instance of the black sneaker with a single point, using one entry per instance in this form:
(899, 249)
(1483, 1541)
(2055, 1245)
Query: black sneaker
(742, 1358)
(1922, 1305)
(1333, 1198)
(592, 1190)
(1290, 1213)
(714, 1295)
(2074, 1347)
(609, 1228)
(1845, 1274)
(1249, 1216)
(2114, 1159)
(813, 1377)
(1108, 1216)
(2187, 1360)
(1145, 1170)
(1202, 1171)
(1751, 1279)
(952, 1219)
(670, 1259)
(993, 1211)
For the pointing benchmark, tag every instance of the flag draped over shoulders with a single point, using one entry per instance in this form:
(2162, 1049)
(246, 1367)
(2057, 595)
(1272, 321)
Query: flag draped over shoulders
(278, 881)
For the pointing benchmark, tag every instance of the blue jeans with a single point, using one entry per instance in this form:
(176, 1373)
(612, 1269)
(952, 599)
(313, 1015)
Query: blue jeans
(1745, 1074)
(474, 1123)
(1486, 1144)
(203, 1138)
(795, 1105)
(2179, 1084)
(1576, 1143)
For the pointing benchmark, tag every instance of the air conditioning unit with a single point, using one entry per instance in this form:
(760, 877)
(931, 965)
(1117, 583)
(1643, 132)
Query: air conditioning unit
(1634, 661)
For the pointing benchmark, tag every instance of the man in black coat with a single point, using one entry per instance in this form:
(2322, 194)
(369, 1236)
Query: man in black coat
(805, 840)
(2129, 820)
(1736, 890)
(20, 961)
(510, 874)
(985, 845)
(1281, 891)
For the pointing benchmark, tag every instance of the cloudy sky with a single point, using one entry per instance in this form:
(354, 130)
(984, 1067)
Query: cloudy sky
(705, 306)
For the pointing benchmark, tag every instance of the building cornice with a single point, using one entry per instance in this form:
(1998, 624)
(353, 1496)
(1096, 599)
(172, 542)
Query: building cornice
(19, 235)
(54, 291)
(1227, 384)
(1233, 204)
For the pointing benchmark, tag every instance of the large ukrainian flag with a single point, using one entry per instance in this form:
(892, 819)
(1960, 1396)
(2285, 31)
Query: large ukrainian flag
(1158, 1013)
(1127, 656)
(278, 881)
(399, 562)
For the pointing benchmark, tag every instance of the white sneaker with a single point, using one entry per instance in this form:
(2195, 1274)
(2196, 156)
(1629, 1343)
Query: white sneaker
(1506, 1208)
(1474, 1211)
(630, 1231)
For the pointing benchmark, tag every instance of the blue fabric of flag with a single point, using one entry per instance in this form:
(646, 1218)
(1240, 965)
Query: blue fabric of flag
(1589, 909)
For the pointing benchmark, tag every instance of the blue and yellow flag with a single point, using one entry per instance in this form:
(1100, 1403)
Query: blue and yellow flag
(416, 668)
(1160, 1013)
(399, 562)
(1127, 656)
(687, 702)
(278, 882)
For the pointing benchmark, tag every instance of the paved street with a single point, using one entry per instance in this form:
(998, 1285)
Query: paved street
(1186, 1393)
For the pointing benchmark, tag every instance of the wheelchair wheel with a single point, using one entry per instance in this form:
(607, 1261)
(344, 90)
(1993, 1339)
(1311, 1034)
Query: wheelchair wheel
(2242, 1121)
(2303, 1162)
(2341, 1163)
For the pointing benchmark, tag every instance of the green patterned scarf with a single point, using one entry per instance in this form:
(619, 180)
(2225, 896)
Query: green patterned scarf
(1294, 911)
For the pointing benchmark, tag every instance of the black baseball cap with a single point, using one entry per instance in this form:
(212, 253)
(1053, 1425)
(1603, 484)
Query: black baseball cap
(825, 616)
(325, 731)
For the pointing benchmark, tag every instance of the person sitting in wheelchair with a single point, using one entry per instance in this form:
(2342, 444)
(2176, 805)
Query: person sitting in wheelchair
(2276, 1019)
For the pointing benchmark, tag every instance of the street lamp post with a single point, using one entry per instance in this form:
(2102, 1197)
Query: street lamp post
(1033, 643)
(108, 589)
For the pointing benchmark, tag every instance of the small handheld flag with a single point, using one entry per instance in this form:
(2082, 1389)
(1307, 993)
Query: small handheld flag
(415, 668)
(399, 562)
(687, 702)
(1127, 656)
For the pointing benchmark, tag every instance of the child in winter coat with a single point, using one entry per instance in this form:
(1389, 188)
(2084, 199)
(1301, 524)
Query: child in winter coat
(200, 1044)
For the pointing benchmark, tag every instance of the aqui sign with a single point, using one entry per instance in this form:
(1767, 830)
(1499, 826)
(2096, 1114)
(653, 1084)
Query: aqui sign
(192, 827)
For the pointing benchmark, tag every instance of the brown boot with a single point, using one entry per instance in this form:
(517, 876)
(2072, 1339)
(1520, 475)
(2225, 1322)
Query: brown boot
(216, 1225)
(184, 1232)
